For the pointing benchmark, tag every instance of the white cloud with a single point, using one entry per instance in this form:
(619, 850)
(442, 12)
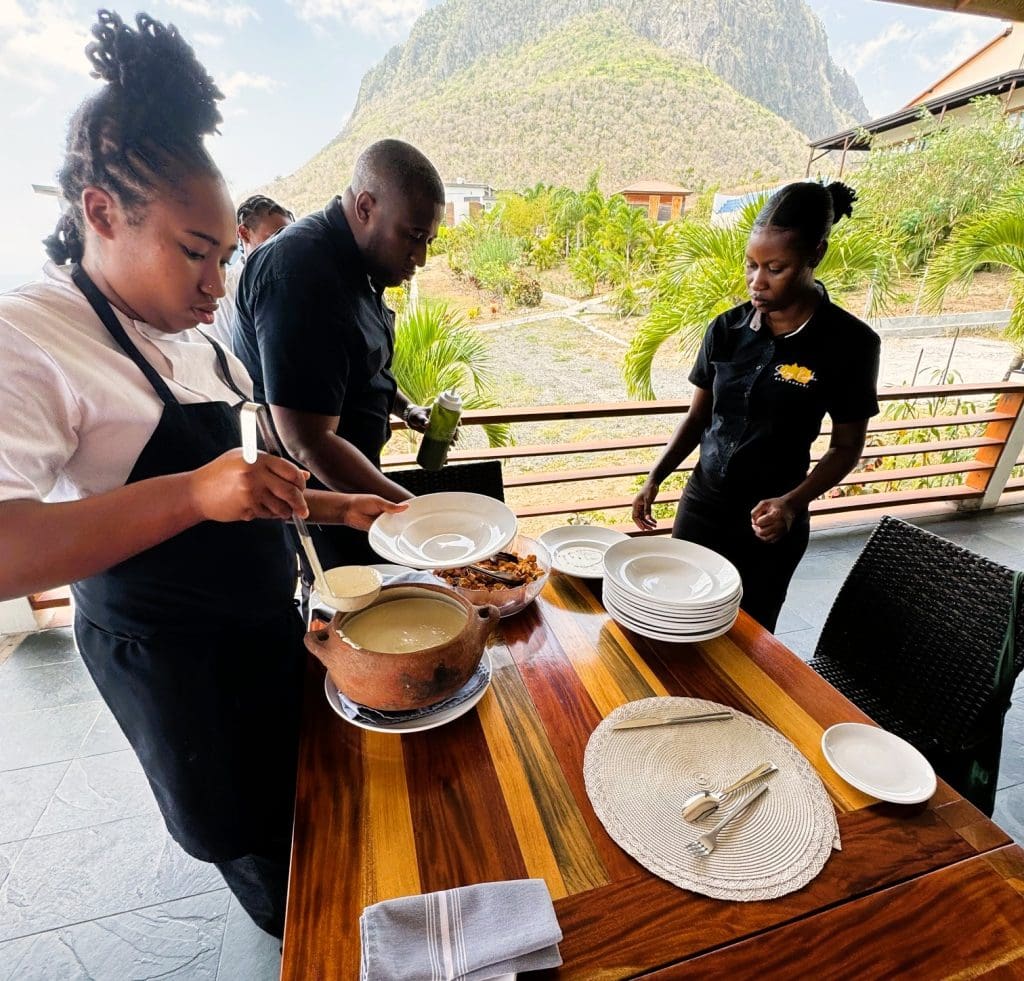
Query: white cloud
(36, 40)
(856, 56)
(208, 40)
(386, 17)
(237, 82)
(231, 14)
(28, 109)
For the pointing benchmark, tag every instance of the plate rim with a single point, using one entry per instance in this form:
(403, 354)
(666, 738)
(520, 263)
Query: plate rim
(581, 530)
(863, 785)
(668, 612)
(380, 539)
(659, 544)
(459, 710)
(672, 638)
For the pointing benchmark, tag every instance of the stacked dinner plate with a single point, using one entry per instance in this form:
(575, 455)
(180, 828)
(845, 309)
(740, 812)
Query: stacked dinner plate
(670, 590)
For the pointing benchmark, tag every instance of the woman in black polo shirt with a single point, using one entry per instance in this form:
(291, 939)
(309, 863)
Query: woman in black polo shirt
(766, 374)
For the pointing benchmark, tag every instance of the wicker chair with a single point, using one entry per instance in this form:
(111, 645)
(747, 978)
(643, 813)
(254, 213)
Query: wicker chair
(477, 478)
(915, 639)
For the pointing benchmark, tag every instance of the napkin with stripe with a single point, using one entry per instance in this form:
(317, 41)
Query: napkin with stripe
(468, 934)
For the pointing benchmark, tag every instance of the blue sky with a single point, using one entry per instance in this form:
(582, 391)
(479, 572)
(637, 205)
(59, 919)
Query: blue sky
(291, 71)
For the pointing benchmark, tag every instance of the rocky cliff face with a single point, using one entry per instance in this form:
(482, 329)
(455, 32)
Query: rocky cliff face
(589, 95)
(774, 51)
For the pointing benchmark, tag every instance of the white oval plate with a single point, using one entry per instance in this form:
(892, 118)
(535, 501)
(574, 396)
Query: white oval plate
(444, 531)
(673, 637)
(421, 724)
(878, 762)
(672, 616)
(672, 571)
(578, 550)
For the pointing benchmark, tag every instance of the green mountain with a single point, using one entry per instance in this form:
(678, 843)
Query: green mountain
(774, 51)
(590, 93)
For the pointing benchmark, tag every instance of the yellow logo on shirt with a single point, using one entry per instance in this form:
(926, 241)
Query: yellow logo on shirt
(795, 374)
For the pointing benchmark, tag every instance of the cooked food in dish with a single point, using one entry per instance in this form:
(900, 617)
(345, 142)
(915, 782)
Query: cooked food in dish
(524, 568)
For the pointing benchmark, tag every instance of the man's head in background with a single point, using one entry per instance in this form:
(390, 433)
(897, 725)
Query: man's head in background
(260, 218)
(394, 206)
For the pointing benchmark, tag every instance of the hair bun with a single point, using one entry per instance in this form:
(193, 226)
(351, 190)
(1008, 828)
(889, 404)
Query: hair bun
(158, 73)
(843, 197)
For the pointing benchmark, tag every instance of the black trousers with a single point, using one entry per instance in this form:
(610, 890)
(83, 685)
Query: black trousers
(260, 884)
(765, 568)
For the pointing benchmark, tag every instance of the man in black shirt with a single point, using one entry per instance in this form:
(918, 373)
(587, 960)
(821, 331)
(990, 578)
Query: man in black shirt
(314, 332)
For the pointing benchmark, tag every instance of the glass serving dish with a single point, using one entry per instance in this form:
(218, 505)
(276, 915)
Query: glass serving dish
(508, 599)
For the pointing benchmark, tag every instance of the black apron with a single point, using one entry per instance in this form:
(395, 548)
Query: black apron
(196, 644)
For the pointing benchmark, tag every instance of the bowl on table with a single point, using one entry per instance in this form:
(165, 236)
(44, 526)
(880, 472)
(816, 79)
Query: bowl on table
(413, 647)
(536, 562)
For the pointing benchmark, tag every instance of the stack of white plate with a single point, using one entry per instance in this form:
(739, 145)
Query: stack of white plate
(671, 590)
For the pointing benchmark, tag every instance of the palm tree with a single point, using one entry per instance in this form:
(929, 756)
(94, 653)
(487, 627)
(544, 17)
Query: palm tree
(435, 351)
(701, 275)
(994, 236)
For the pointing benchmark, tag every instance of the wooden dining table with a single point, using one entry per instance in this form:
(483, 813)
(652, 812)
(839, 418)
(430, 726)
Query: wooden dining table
(928, 891)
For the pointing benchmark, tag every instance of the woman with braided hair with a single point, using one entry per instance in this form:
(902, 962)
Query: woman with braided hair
(120, 470)
(766, 374)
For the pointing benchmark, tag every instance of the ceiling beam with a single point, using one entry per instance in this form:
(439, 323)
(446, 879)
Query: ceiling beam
(1003, 9)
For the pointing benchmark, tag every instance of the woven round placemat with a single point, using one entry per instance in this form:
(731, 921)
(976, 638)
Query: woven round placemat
(638, 779)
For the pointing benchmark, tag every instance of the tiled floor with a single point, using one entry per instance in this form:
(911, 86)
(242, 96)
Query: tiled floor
(91, 886)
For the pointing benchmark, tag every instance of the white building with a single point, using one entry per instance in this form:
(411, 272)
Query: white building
(463, 199)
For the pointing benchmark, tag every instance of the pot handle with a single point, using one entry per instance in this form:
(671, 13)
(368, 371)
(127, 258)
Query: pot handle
(319, 643)
(484, 618)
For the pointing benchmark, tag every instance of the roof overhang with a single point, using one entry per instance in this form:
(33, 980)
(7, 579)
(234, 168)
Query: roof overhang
(859, 138)
(1004, 9)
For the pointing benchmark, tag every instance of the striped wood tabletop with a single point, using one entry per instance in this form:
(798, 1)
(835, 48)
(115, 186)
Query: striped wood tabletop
(499, 794)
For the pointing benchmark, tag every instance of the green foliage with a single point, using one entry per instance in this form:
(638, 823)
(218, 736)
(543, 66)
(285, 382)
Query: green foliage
(918, 193)
(522, 215)
(435, 351)
(545, 252)
(994, 236)
(701, 275)
(524, 291)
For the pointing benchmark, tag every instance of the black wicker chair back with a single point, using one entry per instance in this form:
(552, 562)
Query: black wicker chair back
(914, 639)
(477, 478)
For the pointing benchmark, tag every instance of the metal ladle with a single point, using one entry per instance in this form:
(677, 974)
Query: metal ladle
(253, 412)
(706, 802)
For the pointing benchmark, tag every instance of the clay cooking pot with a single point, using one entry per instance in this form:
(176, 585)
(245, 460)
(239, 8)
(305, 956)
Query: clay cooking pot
(415, 679)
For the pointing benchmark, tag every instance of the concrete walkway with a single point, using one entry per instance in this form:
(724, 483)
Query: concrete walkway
(92, 887)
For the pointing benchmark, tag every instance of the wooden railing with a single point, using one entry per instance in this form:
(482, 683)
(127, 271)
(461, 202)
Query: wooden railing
(954, 444)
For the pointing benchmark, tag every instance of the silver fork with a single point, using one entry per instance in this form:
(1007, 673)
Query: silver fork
(705, 844)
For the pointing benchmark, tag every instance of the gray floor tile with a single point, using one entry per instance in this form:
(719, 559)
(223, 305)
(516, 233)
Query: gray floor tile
(105, 736)
(1009, 812)
(44, 735)
(801, 642)
(8, 856)
(178, 940)
(789, 619)
(25, 687)
(96, 790)
(45, 647)
(1011, 765)
(24, 795)
(66, 878)
(247, 952)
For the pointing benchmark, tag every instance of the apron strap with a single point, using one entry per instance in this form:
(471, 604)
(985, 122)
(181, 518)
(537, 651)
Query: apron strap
(225, 371)
(103, 310)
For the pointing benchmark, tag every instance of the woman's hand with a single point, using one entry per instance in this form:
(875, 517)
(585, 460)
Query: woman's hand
(229, 489)
(642, 504)
(771, 519)
(360, 510)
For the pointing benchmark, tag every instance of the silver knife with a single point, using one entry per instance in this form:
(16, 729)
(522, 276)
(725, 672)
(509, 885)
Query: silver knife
(644, 721)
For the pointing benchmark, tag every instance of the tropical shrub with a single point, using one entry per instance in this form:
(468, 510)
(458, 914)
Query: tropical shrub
(435, 351)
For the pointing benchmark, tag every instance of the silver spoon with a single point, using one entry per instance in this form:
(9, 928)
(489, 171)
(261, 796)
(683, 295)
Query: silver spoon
(705, 802)
(500, 576)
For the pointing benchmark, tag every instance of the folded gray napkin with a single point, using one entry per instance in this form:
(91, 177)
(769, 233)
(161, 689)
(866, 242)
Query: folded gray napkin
(467, 934)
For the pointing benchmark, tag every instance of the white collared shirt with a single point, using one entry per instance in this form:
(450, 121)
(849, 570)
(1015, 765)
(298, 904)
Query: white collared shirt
(75, 411)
